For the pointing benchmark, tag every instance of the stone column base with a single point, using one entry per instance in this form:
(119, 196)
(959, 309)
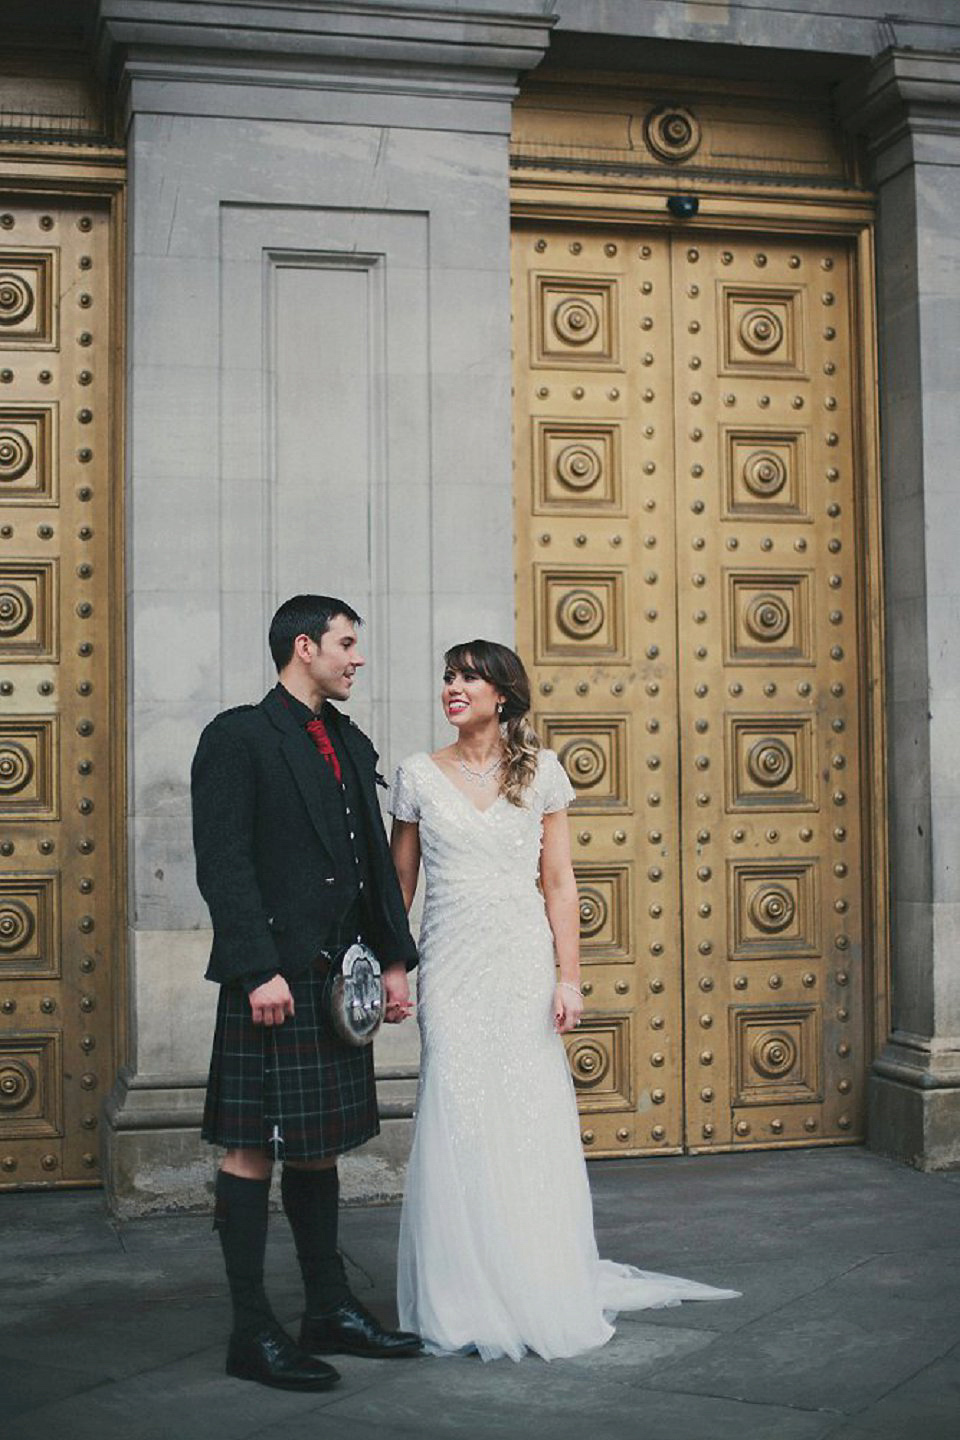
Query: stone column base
(914, 1108)
(154, 1161)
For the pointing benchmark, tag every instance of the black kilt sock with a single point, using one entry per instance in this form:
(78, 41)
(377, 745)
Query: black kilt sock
(240, 1219)
(311, 1202)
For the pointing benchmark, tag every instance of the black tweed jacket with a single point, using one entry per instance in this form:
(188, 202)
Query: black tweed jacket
(274, 879)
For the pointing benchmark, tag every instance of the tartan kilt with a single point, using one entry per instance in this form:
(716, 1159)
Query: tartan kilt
(319, 1091)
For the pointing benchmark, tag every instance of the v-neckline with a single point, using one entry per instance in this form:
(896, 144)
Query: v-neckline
(462, 793)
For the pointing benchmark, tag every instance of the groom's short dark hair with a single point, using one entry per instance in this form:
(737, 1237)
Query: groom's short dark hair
(304, 615)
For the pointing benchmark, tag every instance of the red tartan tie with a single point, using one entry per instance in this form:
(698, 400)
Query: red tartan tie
(318, 734)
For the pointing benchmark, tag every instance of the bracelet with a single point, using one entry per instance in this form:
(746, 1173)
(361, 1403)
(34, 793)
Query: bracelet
(569, 985)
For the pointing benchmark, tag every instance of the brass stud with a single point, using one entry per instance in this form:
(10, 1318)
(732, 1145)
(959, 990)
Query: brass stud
(89, 1160)
(742, 1128)
(705, 909)
(587, 1137)
(88, 1081)
(842, 978)
(6, 376)
(622, 987)
(656, 987)
(623, 1135)
(843, 1121)
(657, 1059)
(740, 982)
(49, 1162)
(8, 1163)
(584, 837)
(806, 834)
(48, 1005)
(658, 1132)
(707, 1131)
(775, 982)
(737, 836)
(543, 392)
(706, 983)
(810, 1123)
(619, 837)
(729, 399)
(695, 397)
(706, 1021)
(587, 987)
(657, 1096)
(8, 1006)
(655, 911)
(613, 393)
(776, 1126)
(578, 392)
(706, 1057)
(844, 1086)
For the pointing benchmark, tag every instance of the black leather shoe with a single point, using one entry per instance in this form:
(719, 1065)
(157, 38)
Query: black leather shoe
(270, 1358)
(352, 1330)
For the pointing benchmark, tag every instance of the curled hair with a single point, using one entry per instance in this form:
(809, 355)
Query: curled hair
(502, 668)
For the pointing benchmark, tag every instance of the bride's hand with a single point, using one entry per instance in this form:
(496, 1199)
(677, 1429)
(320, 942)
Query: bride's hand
(567, 1008)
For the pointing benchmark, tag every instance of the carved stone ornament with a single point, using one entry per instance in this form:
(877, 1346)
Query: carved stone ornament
(16, 298)
(774, 1054)
(772, 908)
(672, 132)
(769, 762)
(764, 473)
(589, 1063)
(16, 767)
(16, 609)
(584, 762)
(18, 1083)
(16, 925)
(16, 455)
(594, 912)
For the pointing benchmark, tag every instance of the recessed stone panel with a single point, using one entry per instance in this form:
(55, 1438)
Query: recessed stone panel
(27, 454)
(31, 1101)
(761, 329)
(770, 763)
(28, 610)
(575, 322)
(593, 750)
(580, 614)
(768, 618)
(604, 900)
(577, 467)
(29, 926)
(28, 290)
(599, 1056)
(29, 769)
(776, 1054)
(773, 909)
(765, 474)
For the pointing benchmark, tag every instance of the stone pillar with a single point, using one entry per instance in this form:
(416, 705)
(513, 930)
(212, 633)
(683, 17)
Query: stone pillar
(318, 399)
(909, 109)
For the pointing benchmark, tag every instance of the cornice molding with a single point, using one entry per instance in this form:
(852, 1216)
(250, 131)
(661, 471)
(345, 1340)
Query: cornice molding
(324, 44)
(903, 92)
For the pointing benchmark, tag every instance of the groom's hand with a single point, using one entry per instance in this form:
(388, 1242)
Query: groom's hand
(271, 1003)
(397, 994)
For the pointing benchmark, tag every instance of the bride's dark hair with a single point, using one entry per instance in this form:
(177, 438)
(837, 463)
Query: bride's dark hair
(502, 668)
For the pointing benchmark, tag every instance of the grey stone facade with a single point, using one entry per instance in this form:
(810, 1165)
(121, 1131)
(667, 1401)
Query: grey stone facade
(320, 193)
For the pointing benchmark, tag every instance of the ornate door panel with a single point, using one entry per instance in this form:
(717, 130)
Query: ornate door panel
(687, 588)
(57, 858)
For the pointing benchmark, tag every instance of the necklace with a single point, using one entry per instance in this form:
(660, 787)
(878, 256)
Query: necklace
(479, 777)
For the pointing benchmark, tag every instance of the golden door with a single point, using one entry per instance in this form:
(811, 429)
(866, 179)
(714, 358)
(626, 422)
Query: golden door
(686, 446)
(57, 682)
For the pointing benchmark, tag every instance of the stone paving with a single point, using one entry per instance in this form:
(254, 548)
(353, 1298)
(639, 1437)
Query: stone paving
(849, 1325)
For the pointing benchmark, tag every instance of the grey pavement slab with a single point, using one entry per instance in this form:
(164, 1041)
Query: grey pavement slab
(848, 1327)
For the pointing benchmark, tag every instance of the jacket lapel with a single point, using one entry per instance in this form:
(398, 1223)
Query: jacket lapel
(299, 752)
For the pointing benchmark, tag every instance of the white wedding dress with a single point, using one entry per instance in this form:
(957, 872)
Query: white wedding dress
(497, 1250)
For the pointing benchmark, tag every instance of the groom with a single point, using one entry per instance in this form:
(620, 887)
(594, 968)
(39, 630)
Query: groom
(292, 861)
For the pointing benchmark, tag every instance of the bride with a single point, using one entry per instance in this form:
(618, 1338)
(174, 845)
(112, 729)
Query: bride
(497, 1250)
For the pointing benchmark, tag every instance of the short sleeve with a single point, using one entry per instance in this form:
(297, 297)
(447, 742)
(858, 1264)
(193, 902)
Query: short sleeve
(558, 793)
(403, 803)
